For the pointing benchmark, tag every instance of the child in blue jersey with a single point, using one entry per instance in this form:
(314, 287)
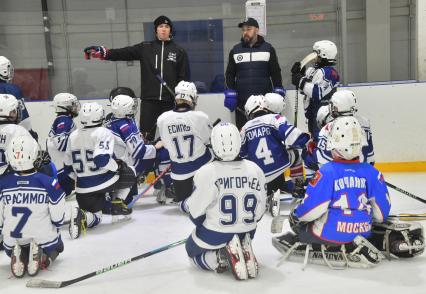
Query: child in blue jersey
(6, 87)
(265, 139)
(341, 201)
(67, 107)
(141, 156)
(32, 210)
(317, 83)
(228, 200)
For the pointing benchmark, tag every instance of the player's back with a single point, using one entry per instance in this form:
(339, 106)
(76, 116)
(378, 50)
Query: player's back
(262, 144)
(84, 145)
(239, 196)
(356, 192)
(56, 142)
(185, 135)
(33, 208)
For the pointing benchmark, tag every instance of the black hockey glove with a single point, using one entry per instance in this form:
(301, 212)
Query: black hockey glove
(295, 68)
(42, 159)
(296, 78)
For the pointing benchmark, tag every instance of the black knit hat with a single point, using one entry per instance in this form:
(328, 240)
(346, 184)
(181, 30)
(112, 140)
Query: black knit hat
(162, 19)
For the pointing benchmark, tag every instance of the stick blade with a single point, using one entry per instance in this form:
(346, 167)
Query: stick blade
(40, 283)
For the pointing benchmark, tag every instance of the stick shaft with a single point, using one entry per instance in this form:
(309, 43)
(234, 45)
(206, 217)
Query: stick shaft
(406, 193)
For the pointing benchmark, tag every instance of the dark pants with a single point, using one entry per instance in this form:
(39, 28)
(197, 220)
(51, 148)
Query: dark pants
(150, 111)
(276, 184)
(240, 117)
(183, 188)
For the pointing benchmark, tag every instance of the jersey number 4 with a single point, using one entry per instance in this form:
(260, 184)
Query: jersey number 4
(229, 208)
(263, 152)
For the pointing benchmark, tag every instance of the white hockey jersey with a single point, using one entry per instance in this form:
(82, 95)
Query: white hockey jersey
(7, 132)
(185, 135)
(228, 198)
(84, 145)
(31, 207)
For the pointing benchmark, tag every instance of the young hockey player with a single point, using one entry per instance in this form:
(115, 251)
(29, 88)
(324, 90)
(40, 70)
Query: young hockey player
(341, 202)
(121, 91)
(67, 107)
(32, 209)
(342, 103)
(265, 138)
(6, 87)
(91, 154)
(317, 83)
(10, 114)
(228, 200)
(185, 134)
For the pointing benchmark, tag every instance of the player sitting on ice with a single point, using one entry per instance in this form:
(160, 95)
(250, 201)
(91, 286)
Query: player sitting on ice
(91, 154)
(67, 107)
(6, 87)
(342, 103)
(340, 204)
(228, 200)
(141, 156)
(265, 139)
(317, 83)
(10, 115)
(185, 134)
(32, 210)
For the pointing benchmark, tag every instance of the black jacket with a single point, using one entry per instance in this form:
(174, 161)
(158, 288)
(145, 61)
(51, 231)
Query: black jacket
(253, 70)
(165, 58)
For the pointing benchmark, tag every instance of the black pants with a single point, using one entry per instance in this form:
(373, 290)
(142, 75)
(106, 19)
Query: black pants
(183, 188)
(150, 111)
(276, 184)
(240, 117)
(95, 201)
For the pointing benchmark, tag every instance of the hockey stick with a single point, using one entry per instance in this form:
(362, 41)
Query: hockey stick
(163, 82)
(409, 216)
(40, 283)
(406, 192)
(130, 205)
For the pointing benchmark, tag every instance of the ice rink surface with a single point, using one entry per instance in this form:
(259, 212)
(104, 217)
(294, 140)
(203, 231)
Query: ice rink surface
(153, 226)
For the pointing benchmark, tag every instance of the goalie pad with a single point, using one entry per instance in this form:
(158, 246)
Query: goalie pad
(359, 254)
(399, 239)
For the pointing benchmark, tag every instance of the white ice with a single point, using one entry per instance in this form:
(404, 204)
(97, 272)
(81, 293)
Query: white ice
(153, 226)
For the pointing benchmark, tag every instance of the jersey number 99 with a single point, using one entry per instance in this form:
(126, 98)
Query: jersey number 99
(229, 208)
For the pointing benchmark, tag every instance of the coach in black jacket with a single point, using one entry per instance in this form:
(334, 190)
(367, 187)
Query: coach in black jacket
(253, 69)
(158, 57)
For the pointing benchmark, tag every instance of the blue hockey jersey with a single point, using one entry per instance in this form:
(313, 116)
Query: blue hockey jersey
(264, 141)
(342, 200)
(31, 207)
(138, 152)
(14, 90)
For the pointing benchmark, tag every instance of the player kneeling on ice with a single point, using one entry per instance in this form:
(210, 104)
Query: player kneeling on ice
(341, 202)
(228, 200)
(265, 138)
(91, 154)
(185, 134)
(32, 209)
(67, 107)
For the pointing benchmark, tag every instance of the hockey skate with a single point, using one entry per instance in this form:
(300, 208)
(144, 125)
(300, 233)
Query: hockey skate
(34, 259)
(17, 262)
(77, 222)
(274, 203)
(165, 195)
(250, 259)
(235, 257)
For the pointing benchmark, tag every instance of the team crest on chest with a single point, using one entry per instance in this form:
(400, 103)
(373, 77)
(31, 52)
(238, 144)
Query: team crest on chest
(171, 56)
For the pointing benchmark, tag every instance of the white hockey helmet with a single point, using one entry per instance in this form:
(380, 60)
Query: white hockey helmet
(123, 106)
(91, 114)
(66, 102)
(6, 69)
(326, 50)
(226, 141)
(10, 109)
(274, 102)
(323, 116)
(21, 152)
(254, 104)
(343, 103)
(346, 137)
(186, 91)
